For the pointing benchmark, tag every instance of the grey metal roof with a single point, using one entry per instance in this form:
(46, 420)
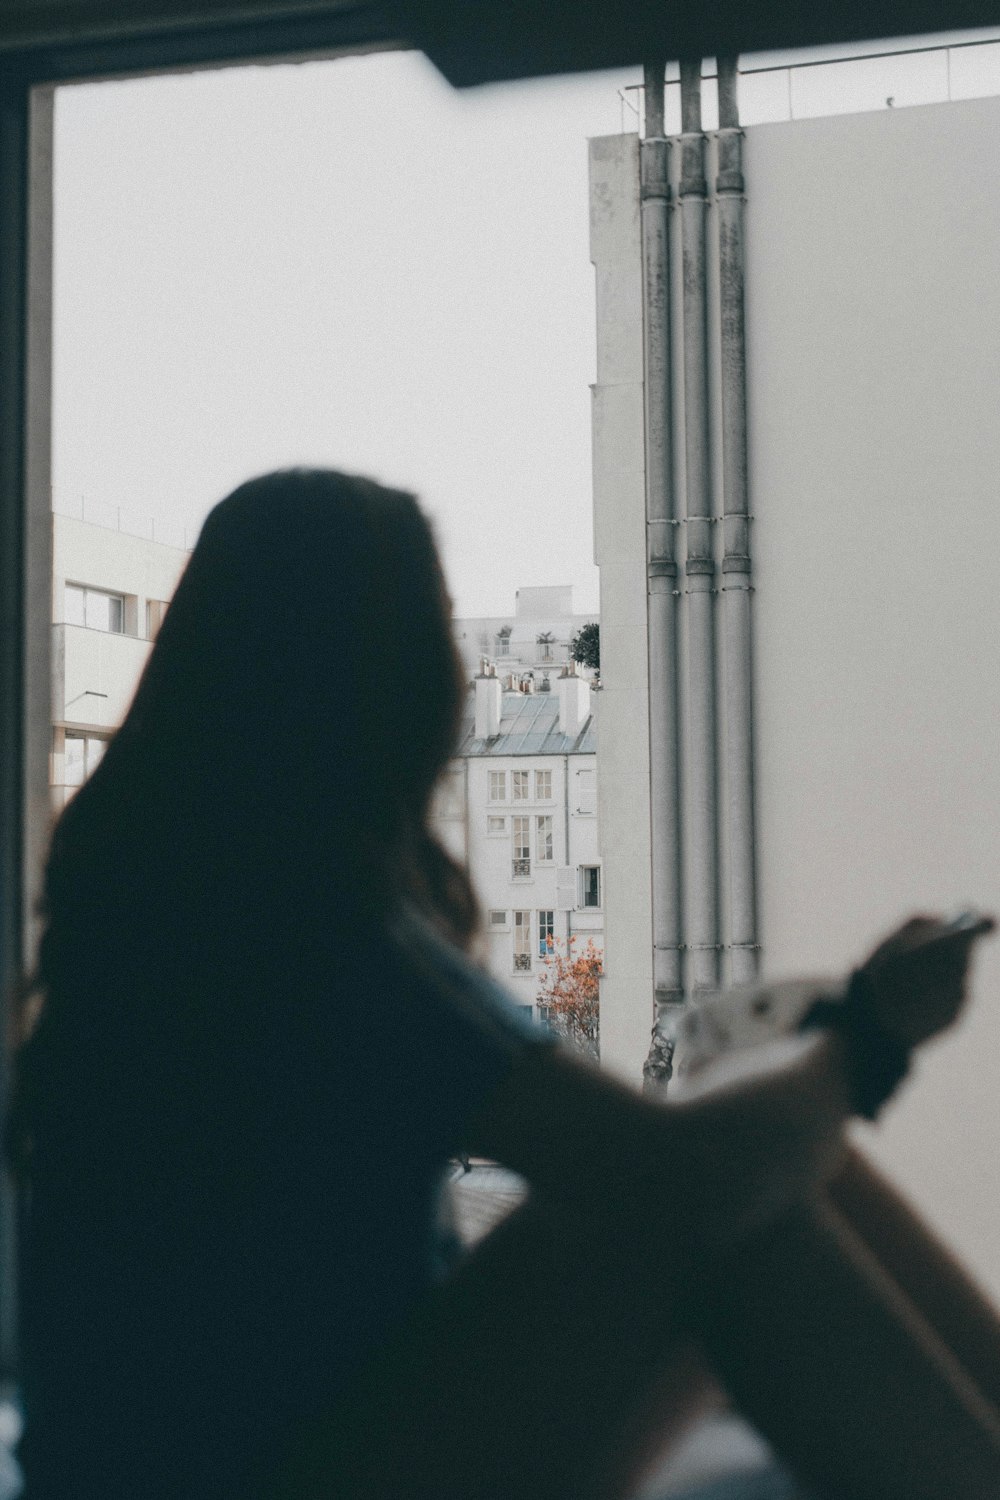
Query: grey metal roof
(529, 725)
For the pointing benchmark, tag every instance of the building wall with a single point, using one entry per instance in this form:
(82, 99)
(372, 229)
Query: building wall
(94, 672)
(620, 554)
(873, 312)
(873, 325)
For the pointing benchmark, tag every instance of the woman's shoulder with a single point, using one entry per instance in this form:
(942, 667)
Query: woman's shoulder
(437, 965)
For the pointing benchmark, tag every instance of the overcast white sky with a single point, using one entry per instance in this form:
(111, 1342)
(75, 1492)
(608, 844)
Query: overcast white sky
(349, 263)
(343, 263)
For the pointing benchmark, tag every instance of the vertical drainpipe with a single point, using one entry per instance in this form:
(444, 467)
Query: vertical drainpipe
(661, 581)
(466, 816)
(569, 914)
(736, 586)
(701, 768)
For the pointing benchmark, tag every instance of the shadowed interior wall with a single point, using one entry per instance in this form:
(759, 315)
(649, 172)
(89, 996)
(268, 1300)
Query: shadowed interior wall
(873, 319)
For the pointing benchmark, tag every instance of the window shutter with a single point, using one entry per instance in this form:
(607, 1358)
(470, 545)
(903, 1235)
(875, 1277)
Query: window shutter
(566, 888)
(586, 792)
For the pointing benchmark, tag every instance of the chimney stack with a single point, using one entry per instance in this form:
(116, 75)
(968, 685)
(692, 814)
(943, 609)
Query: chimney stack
(574, 702)
(489, 700)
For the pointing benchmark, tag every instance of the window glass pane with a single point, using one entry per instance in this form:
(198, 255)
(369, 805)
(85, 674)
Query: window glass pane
(521, 848)
(545, 837)
(498, 786)
(590, 886)
(521, 783)
(81, 756)
(95, 610)
(546, 934)
(95, 752)
(104, 611)
(522, 940)
(496, 825)
(74, 605)
(154, 614)
(74, 760)
(543, 786)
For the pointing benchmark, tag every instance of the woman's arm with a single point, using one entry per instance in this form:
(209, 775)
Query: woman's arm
(756, 1132)
(566, 1348)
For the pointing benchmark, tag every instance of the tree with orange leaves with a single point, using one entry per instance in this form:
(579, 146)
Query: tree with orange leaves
(568, 996)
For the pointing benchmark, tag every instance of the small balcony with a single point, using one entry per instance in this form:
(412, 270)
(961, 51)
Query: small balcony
(94, 674)
(522, 963)
(521, 869)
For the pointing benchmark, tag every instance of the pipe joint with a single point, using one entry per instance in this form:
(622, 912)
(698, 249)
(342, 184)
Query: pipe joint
(736, 562)
(695, 186)
(729, 180)
(654, 170)
(699, 567)
(730, 183)
(661, 567)
(693, 183)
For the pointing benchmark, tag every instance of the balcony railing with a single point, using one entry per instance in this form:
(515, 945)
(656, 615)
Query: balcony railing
(522, 869)
(522, 963)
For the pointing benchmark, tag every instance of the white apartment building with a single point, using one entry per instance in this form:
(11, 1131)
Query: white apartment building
(109, 593)
(535, 638)
(518, 805)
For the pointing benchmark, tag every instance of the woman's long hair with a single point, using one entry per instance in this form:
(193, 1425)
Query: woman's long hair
(268, 792)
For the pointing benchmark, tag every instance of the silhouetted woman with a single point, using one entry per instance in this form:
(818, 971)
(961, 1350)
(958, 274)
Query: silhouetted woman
(256, 1038)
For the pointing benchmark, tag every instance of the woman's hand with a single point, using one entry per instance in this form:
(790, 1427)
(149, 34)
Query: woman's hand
(917, 976)
(764, 1126)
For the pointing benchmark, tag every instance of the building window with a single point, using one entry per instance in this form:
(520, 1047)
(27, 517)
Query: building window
(521, 851)
(503, 640)
(546, 934)
(522, 942)
(497, 919)
(521, 785)
(544, 643)
(590, 885)
(495, 826)
(155, 610)
(586, 792)
(498, 786)
(95, 609)
(543, 843)
(543, 786)
(81, 756)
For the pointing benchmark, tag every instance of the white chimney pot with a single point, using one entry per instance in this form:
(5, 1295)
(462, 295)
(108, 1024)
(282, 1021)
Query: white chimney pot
(574, 704)
(489, 699)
